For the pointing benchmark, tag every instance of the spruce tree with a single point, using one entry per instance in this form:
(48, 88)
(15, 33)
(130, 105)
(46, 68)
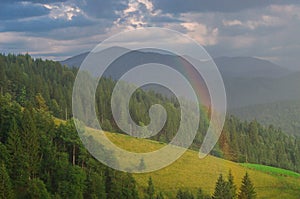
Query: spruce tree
(30, 141)
(17, 162)
(202, 195)
(142, 165)
(150, 189)
(184, 194)
(231, 187)
(247, 190)
(6, 191)
(160, 196)
(220, 190)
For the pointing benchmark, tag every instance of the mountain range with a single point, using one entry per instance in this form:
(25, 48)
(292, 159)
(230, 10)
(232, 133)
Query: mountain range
(249, 82)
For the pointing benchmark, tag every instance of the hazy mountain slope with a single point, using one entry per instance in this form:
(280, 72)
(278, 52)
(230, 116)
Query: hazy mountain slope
(233, 67)
(248, 81)
(285, 114)
(244, 92)
(75, 61)
(248, 67)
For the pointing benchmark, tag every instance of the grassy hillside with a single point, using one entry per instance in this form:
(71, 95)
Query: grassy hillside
(271, 170)
(190, 172)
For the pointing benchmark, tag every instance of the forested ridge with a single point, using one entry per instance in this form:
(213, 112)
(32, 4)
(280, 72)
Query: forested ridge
(283, 114)
(43, 158)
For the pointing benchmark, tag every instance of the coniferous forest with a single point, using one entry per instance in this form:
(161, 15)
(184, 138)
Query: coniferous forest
(42, 158)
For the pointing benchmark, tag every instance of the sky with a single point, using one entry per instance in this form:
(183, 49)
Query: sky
(58, 29)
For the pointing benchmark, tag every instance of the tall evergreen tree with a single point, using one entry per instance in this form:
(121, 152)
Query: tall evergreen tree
(150, 189)
(231, 187)
(17, 162)
(160, 196)
(6, 191)
(30, 140)
(184, 194)
(202, 195)
(37, 189)
(220, 189)
(247, 190)
(142, 165)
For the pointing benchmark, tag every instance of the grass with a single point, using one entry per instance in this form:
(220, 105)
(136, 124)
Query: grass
(271, 170)
(190, 172)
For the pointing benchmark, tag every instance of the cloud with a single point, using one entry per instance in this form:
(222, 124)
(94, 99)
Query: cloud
(201, 33)
(19, 10)
(45, 23)
(101, 8)
(179, 6)
(15, 42)
(63, 11)
(138, 13)
(234, 22)
(262, 21)
(59, 15)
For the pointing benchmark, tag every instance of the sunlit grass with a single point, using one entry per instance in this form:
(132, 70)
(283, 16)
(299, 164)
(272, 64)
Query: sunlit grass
(271, 170)
(191, 172)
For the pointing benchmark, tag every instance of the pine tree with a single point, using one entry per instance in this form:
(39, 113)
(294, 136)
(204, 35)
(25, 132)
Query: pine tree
(247, 190)
(202, 195)
(30, 140)
(150, 189)
(160, 196)
(17, 162)
(184, 194)
(37, 189)
(220, 190)
(179, 194)
(6, 191)
(231, 187)
(142, 165)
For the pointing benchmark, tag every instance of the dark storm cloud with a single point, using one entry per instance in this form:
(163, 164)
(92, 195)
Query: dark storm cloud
(180, 6)
(33, 1)
(16, 10)
(42, 24)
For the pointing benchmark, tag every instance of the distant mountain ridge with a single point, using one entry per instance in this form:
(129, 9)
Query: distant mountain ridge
(248, 81)
(234, 67)
(75, 61)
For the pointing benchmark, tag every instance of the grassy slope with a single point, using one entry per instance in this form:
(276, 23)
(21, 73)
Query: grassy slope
(191, 172)
(271, 170)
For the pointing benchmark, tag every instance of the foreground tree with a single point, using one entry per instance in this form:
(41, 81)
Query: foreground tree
(184, 194)
(225, 189)
(220, 190)
(150, 190)
(5, 183)
(231, 186)
(202, 195)
(247, 190)
(37, 189)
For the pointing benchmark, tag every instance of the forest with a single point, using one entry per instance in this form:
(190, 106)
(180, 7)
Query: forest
(43, 159)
